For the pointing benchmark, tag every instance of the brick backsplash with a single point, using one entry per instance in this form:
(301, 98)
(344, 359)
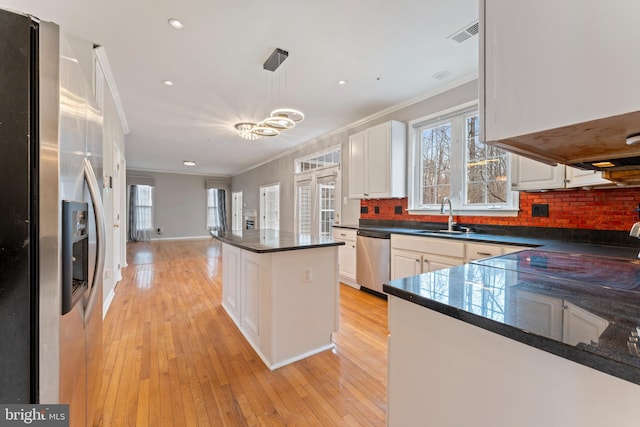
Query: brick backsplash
(606, 209)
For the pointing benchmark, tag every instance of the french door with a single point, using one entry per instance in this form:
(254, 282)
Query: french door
(317, 202)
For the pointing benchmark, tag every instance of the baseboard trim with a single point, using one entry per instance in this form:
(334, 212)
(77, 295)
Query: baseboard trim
(107, 302)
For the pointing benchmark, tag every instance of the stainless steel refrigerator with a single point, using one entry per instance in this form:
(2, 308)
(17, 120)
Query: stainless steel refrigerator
(51, 222)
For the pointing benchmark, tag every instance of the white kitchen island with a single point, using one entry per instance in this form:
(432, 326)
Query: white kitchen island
(282, 291)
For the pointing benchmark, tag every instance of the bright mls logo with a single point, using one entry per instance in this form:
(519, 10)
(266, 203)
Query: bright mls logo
(39, 415)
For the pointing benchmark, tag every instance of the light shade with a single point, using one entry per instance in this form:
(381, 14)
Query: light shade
(262, 130)
(245, 129)
(288, 113)
(280, 123)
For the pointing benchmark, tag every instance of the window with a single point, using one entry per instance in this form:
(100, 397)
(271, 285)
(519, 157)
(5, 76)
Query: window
(270, 207)
(317, 182)
(140, 212)
(216, 209)
(323, 159)
(449, 160)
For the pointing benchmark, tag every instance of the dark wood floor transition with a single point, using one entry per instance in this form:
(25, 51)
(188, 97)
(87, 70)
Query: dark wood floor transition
(174, 358)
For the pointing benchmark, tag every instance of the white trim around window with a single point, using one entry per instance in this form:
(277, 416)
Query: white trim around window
(456, 186)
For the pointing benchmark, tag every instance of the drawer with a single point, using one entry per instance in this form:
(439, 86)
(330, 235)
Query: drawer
(428, 245)
(344, 234)
(478, 251)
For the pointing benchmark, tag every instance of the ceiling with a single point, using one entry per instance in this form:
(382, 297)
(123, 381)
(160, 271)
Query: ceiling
(388, 52)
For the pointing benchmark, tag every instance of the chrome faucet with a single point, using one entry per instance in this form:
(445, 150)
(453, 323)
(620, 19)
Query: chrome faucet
(450, 223)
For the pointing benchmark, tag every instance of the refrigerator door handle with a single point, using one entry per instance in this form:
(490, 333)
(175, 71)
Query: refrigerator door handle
(94, 191)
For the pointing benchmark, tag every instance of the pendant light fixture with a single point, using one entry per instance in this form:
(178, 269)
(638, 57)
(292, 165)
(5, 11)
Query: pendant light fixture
(280, 119)
(244, 130)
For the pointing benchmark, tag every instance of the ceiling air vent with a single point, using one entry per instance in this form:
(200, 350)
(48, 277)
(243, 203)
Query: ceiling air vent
(466, 33)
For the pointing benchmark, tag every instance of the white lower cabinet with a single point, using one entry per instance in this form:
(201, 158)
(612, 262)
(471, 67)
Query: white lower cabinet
(405, 263)
(346, 255)
(413, 255)
(476, 251)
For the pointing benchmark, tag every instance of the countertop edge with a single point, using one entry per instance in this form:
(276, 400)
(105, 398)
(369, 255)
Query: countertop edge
(501, 239)
(249, 248)
(565, 351)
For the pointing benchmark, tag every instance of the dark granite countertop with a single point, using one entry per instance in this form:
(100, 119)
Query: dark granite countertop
(579, 306)
(562, 240)
(263, 241)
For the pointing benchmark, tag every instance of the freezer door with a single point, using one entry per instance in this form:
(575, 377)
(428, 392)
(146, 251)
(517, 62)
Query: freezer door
(81, 339)
(17, 328)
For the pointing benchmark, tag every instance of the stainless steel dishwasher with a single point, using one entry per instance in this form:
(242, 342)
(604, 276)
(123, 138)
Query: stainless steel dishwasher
(373, 257)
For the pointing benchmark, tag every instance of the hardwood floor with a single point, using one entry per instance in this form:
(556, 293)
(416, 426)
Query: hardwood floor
(173, 357)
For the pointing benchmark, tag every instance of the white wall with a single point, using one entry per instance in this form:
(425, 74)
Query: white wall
(281, 169)
(180, 204)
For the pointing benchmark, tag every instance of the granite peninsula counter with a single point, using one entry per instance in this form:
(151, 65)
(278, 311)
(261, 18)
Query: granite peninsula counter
(282, 291)
(530, 338)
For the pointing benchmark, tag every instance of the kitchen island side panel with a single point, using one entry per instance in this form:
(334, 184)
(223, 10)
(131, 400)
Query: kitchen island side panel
(443, 371)
(305, 300)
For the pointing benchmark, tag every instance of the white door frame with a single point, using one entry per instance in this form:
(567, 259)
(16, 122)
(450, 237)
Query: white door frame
(263, 191)
(236, 210)
(117, 214)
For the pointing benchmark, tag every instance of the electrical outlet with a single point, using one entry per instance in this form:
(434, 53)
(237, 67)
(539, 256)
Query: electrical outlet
(540, 210)
(307, 275)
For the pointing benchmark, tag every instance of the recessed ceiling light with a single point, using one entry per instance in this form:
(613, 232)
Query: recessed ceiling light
(167, 82)
(176, 23)
(189, 163)
(342, 82)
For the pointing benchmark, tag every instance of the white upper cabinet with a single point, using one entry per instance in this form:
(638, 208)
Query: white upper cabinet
(549, 64)
(530, 175)
(584, 178)
(377, 162)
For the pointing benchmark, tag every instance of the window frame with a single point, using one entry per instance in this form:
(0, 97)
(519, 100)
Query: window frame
(139, 207)
(458, 169)
(211, 197)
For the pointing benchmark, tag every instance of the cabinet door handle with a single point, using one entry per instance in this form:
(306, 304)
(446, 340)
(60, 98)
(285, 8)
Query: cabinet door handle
(343, 235)
(417, 260)
(484, 253)
(353, 246)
